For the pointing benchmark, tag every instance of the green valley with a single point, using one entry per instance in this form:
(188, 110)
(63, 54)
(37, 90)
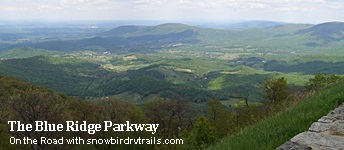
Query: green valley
(210, 86)
(179, 60)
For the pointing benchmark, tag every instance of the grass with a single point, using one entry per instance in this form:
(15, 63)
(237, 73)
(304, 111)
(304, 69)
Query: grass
(276, 130)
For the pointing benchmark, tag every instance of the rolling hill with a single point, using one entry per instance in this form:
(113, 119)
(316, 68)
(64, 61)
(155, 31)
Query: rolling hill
(252, 24)
(128, 39)
(329, 32)
(147, 39)
(73, 77)
(134, 31)
(25, 52)
(260, 34)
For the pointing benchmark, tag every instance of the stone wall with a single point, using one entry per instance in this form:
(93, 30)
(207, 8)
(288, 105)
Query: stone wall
(325, 134)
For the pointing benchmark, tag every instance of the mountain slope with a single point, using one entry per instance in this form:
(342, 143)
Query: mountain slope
(330, 31)
(68, 76)
(274, 131)
(129, 39)
(123, 31)
(81, 78)
(26, 102)
(134, 31)
(147, 39)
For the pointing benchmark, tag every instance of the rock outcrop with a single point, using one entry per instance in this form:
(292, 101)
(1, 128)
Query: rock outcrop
(325, 134)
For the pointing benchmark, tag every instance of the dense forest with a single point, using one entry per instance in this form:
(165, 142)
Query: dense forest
(177, 118)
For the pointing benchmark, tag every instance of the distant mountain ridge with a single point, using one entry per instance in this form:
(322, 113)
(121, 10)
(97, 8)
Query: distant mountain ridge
(259, 34)
(130, 30)
(330, 31)
(122, 30)
(242, 25)
(253, 24)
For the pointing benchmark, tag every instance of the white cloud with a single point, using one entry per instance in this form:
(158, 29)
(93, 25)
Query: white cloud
(13, 9)
(293, 10)
(72, 2)
(296, 9)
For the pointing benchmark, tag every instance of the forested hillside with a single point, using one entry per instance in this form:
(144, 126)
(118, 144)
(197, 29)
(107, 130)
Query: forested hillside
(177, 118)
(27, 103)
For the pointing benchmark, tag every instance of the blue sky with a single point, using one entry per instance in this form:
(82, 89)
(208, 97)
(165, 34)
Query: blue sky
(298, 11)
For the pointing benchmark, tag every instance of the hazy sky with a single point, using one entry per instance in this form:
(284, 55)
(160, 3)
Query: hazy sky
(306, 11)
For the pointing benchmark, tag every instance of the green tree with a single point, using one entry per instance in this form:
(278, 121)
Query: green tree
(172, 115)
(32, 104)
(321, 80)
(201, 136)
(244, 94)
(118, 111)
(215, 109)
(275, 90)
(220, 117)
